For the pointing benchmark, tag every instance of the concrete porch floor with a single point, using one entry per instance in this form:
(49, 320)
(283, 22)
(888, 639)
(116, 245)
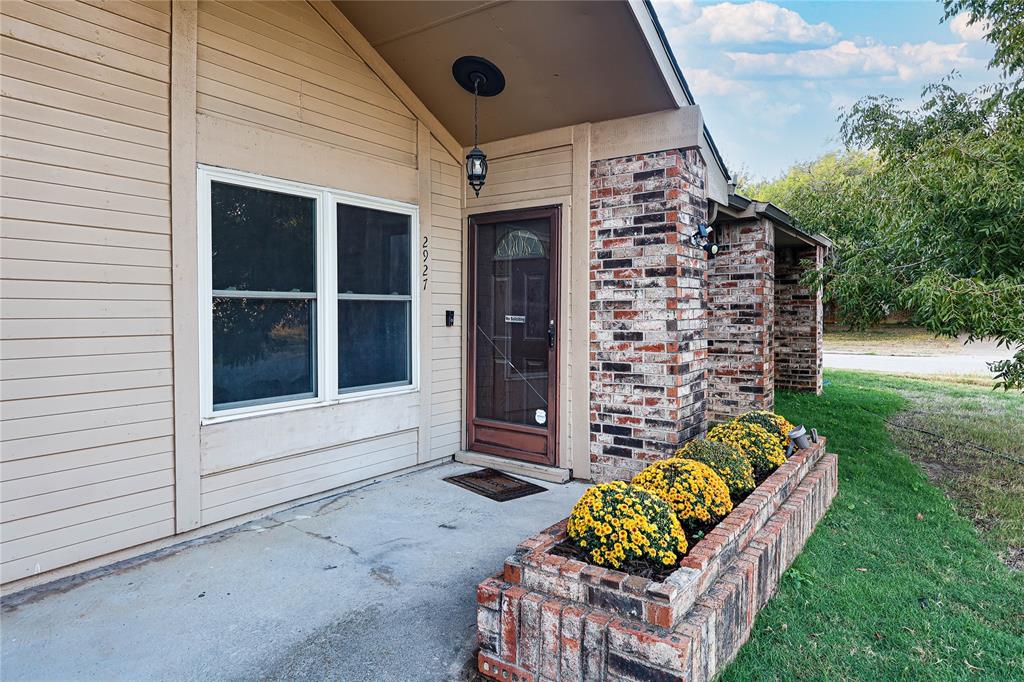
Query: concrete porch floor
(376, 583)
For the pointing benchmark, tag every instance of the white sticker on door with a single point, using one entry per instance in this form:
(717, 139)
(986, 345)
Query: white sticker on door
(541, 416)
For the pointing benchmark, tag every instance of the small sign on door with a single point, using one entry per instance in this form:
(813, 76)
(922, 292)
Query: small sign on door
(515, 319)
(541, 416)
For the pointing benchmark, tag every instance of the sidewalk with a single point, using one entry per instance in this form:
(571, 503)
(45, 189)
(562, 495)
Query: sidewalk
(374, 584)
(907, 350)
(975, 365)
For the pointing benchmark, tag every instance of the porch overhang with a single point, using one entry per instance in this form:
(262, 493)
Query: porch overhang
(786, 231)
(565, 63)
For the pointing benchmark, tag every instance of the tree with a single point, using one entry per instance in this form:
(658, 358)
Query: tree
(947, 207)
(926, 208)
(831, 195)
(1004, 20)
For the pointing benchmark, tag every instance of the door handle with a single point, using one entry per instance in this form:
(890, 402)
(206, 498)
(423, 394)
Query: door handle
(551, 334)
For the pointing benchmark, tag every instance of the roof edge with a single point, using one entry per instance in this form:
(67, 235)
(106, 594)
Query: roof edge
(766, 209)
(663, 38)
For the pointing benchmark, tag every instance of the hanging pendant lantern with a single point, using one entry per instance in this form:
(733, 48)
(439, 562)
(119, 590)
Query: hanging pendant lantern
(476, 169)
(483, 79)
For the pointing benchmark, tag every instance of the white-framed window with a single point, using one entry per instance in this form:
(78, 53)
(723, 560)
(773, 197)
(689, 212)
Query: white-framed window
(306, 294)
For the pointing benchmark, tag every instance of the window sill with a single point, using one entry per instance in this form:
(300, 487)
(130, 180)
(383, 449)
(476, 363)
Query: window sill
(338, 400)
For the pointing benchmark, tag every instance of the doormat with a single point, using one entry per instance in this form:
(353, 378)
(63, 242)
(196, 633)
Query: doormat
(495, 485)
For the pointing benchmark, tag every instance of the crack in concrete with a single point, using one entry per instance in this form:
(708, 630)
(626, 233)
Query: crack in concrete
(325, 538)
(346, 498)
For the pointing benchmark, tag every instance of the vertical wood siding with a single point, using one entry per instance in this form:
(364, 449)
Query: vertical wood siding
(85, 375)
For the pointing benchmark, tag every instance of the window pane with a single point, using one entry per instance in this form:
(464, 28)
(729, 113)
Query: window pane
(263, 351)
(262, 240)
(373, 251)
(373, 343)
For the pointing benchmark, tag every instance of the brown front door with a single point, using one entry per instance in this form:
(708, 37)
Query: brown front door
(513, 333)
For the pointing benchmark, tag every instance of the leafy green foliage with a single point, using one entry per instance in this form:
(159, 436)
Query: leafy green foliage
(1005, 22)
(947, 202)
(927, 208)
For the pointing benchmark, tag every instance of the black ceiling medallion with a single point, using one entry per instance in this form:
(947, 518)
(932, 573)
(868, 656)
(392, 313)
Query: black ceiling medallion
(483, 79)
(469, 71)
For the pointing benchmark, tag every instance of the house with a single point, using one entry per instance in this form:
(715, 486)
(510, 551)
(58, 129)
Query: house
(242, 266)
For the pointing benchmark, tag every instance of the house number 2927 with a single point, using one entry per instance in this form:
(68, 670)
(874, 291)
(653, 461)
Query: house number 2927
(426, 265)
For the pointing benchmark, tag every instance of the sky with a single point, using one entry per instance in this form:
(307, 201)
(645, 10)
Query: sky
(771, 78)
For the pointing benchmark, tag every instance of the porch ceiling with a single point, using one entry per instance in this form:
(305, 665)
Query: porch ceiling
(564, 62)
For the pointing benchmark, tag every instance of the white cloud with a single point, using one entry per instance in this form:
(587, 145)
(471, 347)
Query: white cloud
(705, 82)
(674, 12)
(760, 22)
(777, 113)
(744, 94)
(838, 101)
(973, 32)
(740, 24)
(847, 59)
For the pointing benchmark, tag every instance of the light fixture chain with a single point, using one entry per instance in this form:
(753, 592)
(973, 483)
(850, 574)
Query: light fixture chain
(476, 111)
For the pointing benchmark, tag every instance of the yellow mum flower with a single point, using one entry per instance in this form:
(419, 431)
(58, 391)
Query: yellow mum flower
(695, 492)
(616, 522)
(764, 449)
(725, 460)
(775, 424)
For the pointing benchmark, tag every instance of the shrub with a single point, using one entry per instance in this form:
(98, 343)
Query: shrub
(728, 462)
(617, 522)
(771, 422)
(696, 493)
(762, 448)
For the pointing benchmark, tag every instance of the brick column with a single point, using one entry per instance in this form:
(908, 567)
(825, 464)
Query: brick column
(798, 322)
(740, 286)
(647, 309)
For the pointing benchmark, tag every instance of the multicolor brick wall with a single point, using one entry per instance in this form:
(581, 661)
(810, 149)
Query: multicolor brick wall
(741, 320)
(647, 309)
(799, 317)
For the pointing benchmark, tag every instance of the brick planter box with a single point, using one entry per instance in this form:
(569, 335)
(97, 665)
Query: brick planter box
(548, 617)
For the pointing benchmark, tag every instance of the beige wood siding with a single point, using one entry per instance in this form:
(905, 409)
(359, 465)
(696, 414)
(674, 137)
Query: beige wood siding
(281, 67)
(86, 374)
(281, 94)
(257, 486)
(86, 346)
(525, 178)
(250, 464)
(446, 258)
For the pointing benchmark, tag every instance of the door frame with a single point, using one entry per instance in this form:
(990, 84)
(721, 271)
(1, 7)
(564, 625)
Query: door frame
(551, 456)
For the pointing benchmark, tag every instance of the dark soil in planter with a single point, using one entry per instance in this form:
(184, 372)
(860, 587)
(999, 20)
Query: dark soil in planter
(643, 569)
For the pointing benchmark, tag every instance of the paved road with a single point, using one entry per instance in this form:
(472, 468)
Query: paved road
(378, 584)
(913, 364)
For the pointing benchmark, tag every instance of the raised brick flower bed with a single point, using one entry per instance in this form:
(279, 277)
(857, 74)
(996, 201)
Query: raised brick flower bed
(549, 617)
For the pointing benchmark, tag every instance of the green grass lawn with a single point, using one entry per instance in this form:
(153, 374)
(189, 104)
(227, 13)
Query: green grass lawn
(894, 584)
(970, 443)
